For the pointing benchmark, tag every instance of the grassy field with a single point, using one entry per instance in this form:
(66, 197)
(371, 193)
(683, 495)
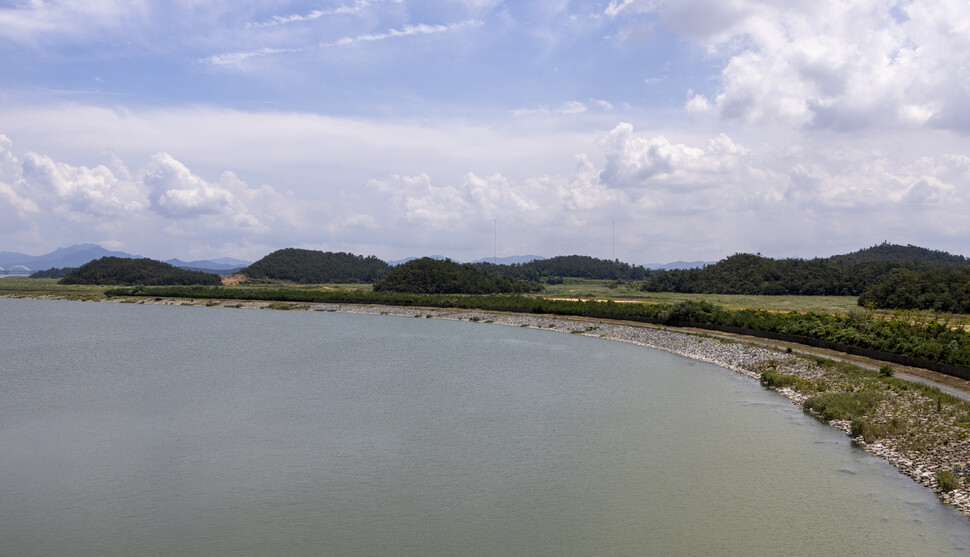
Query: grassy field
(35, 288)
(608, 290)
(571, 288)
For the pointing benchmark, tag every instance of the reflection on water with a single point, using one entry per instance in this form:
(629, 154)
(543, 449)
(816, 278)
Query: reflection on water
(152, 430)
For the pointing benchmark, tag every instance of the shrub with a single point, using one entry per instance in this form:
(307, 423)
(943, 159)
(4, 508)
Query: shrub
(886, 370)
(844, 406)
(868, 431)
(772, 378)
(947, 480)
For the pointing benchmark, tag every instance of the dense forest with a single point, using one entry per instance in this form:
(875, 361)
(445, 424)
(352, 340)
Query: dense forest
(895, 252)
(945, 289)
(123, 271)
(579, 266)
(310, 266)
(841, 275)
(437, 276)
(52, 273)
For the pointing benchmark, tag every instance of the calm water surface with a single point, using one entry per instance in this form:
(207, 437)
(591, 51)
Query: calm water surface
(155, 430)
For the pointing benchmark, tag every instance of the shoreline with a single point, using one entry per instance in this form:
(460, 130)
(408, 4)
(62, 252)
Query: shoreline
(737, 355)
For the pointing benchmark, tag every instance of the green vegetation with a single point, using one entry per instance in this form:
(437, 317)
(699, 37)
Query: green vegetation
(842, 275)
(770, 377)
(121, 271)
(49, 288)
(589, 289)
(902, 415)
(309, 266)
(942, 289)
(871, 431)
(844, 405)
(577, 266)
(908, 253)
(436, 276)
(947, 480)
(54, 273)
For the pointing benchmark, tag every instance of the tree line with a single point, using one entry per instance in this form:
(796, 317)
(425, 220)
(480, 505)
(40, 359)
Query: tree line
(314, 267)
(945, 289)
(122, 271)
(579, 266)
(887, 275)
(444, 276)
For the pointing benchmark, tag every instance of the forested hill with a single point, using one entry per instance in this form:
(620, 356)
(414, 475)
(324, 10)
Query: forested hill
(130, 272)
(444, 276)
(580, 266)
(310, 266)
(842, 275)
(908, 253)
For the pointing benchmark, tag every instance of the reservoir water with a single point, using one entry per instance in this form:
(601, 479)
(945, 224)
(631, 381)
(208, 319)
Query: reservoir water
(157, 430)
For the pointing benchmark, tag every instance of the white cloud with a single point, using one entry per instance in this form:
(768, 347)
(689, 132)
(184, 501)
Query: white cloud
(82, 191)
(838, 64)
(566, 108)
(347, 9)
(400, 189)
(68, 20)
(627, 7)
(405, 31)
(41, 196)
(15, 206)
(176, 192)
(635, 162)
(697, 104)
(604, 104)
(236, 58)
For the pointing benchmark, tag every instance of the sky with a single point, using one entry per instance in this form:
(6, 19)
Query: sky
(647, 131)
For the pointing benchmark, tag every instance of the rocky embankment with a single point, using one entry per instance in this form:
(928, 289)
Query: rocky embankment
(940, 446)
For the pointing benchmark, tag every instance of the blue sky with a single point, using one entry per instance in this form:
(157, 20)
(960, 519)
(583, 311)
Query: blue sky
(649, 129)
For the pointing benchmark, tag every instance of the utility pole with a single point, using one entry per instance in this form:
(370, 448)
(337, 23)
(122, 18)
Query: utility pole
(495, 242)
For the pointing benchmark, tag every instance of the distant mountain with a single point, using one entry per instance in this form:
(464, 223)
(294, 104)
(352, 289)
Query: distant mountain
(510, 260)
(73, 256)
(679, 265)
(79, 254)
(406, 259)
(221, 264)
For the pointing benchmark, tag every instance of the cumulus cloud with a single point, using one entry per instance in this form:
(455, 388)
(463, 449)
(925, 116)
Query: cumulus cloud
(636, 162)
(176, 192)
(83, 191)
(839, 64)
(40, 195)
(15, 206)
